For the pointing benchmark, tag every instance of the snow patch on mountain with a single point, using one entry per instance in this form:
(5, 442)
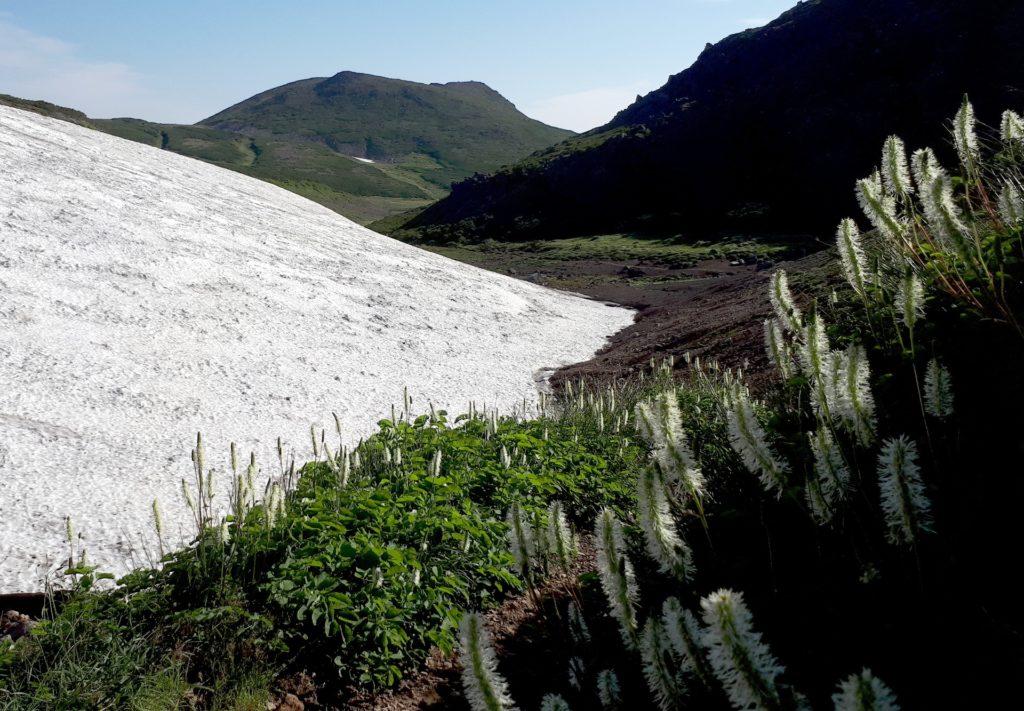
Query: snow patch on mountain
(145, 296)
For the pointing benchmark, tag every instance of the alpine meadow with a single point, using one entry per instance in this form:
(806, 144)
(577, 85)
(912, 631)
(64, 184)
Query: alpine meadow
(714, 406)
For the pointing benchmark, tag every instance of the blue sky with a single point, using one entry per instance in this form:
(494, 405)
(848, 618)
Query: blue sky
(571, 63)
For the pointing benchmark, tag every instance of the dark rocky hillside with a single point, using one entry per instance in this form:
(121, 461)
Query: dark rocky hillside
(764, 131)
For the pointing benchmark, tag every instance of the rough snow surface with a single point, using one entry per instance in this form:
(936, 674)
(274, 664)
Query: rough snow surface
(145, 296)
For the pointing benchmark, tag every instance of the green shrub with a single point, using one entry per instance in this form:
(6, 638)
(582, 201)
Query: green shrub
(355, 576)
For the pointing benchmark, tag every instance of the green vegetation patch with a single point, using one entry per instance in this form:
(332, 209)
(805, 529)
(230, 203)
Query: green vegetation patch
(45, 108)
(361, 191)
(355, 572)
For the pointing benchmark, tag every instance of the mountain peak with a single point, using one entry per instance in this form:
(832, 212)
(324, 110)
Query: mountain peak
(447, 131)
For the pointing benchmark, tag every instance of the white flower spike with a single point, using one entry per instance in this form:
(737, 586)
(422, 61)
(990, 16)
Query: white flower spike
(895, 172)
(1011, 205)
(677, 460)
(864, 692)
(855, 403)
(782, 301)
(749, 440)
(926, 167)
(904, 502)
(659, 667)
(560, 544)
(816, 362)
(910, 299)
(943, 214)
(661, 425)
(664, 544)
(684, 632)
(553, 702)
(521, 541)
(1011, 128)
(776, 347)
(739, 658)
(485, 689)
(608, 690)
(938, 390)
(880, 207)
(851, 256)
(964, 134)
(617, 578)
(833, 476)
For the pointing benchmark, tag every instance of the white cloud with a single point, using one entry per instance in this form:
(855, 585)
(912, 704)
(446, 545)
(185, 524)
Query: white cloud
(584, 110)
(34, 66)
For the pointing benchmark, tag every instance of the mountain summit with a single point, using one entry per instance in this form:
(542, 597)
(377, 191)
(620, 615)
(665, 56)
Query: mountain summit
(766, 130)
(442, 131)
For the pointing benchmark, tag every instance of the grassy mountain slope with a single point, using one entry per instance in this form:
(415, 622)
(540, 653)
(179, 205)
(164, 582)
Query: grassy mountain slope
(762, 131)
(365, 146)
(441, 132)
(358, 190)
(45, 108)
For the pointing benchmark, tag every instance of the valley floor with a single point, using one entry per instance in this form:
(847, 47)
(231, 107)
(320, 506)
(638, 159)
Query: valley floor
(705, 298)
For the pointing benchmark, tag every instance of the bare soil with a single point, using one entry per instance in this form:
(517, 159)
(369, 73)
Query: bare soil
(709, 308)
(713, 310)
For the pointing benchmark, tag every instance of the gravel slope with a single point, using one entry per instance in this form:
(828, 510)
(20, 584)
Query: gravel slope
(145, 296)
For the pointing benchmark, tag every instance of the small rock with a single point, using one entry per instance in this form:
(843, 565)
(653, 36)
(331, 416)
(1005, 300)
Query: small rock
(290, 702)
(15, 625)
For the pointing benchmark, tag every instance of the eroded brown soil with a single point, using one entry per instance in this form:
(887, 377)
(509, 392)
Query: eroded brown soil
(717, 312)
